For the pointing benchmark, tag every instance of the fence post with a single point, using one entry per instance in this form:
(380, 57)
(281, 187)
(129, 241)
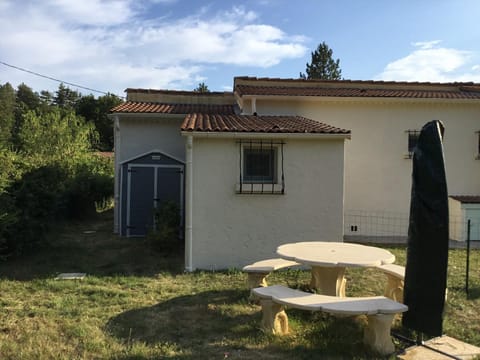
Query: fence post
(468, 256)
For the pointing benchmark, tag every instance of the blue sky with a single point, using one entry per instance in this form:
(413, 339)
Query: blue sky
(175, 44)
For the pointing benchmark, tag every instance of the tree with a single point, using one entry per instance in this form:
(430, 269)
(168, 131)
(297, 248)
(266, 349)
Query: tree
(66, 97)
(96, 111)
(201, 88)
(7, 113)
(55, 134)
(322, 65)
(26, 100)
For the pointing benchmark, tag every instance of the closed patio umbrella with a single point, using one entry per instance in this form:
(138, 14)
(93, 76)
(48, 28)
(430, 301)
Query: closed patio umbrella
(427, 252)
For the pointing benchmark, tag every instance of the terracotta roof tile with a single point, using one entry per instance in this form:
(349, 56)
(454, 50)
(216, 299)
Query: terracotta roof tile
(162, 108)
(467, 199)
(448, 93)
(257, 124)
(356, 82)
(179, 92)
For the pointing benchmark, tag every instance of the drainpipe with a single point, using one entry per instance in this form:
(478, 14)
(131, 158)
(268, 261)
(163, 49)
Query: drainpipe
(116, 190)
(189, 205)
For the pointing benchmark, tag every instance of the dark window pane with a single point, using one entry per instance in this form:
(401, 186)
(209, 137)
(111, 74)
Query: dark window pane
(412, 140)
(259, 165)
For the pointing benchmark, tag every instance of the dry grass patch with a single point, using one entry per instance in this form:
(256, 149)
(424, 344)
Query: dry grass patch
(139, 304)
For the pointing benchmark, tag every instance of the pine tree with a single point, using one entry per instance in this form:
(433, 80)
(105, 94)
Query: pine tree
(322, 65)
(7, 113)
(202, 88)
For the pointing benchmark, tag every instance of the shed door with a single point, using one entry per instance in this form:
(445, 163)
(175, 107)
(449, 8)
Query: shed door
(149, 187)
(140, 200)
(169, 187)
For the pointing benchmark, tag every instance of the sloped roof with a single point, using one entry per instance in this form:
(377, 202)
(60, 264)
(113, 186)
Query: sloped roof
(257, 124)
(360, 89)
(467, 199)
(164, 108)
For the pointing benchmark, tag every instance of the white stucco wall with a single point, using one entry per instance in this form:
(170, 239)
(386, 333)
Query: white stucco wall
(456, 224)
(139, 136)
(231, 230)
(377, 176)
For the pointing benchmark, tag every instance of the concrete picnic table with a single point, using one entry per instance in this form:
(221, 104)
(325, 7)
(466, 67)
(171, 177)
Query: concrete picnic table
(329, 260)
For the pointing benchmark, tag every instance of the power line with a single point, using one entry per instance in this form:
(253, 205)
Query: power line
(57, 80)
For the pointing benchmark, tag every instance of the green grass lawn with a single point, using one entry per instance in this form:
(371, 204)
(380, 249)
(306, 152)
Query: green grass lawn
(136, 303)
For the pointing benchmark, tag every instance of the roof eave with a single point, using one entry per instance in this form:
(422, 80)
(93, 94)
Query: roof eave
(355, 99)
(145, 115)
(263, 135)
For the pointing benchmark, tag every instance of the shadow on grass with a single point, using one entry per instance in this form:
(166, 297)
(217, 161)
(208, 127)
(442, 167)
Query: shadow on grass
(221, 324)
(473, 292)
(91, 247)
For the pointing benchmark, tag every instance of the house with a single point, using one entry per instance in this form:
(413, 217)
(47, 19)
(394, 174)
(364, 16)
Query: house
(260, 166)
(385, 119)
(245, 183)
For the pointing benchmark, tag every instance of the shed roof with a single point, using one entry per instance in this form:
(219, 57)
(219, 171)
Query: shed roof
(257, 124)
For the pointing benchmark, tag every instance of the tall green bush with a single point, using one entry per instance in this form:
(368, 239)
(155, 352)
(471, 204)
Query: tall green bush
(54, 175)
(10, 172)
(91, 182)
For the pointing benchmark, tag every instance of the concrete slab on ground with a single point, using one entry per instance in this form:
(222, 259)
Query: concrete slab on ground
(455, 348)
(70, 276)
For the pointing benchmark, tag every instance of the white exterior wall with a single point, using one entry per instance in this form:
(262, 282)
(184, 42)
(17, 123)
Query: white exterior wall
(231, 230)
(377, 175)
(456, 225)
(139, 136)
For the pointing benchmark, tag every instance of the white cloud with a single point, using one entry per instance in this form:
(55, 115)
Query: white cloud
(433, 63)
(427, 44)
(115, 44)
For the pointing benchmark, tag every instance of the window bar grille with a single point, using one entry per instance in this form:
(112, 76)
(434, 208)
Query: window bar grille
(283, 176)
(251, 182)
(272, 167)
(478, 144)
(259, 186)
(263, 177)
(412, 141)
(241, 166)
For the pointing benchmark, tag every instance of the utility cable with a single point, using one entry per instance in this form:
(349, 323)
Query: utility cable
(60, 81)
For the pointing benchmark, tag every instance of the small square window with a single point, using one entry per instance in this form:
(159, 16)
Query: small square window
(259, 165)
(412, 142)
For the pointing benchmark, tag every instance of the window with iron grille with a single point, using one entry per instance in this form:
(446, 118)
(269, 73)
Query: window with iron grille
(478, 146)
(412, 142)
(261, 167)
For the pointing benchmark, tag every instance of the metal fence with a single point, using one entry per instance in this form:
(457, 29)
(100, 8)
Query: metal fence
(384, 226)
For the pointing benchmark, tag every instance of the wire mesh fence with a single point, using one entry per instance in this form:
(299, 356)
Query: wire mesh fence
(384, 226)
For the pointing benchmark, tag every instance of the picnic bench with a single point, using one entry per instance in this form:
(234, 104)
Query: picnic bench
(258, 271)
(380, 312)
(395, 281)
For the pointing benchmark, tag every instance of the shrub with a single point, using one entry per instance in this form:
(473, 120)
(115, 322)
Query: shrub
(39, 201)
(92, 183)
(165, 235)
(50, 193)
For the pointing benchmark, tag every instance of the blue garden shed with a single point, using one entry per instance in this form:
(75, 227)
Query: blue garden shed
(147, 182)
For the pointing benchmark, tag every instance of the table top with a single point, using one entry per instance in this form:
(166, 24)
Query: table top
(335, 254)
